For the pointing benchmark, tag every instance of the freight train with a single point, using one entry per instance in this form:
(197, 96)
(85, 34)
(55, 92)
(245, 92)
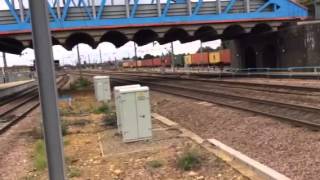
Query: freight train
(217, 58)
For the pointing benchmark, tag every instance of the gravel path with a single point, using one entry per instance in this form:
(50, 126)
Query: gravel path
(294, 151)
(16, 147)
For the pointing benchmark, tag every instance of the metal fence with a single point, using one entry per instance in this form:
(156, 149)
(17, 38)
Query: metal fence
(20, 76)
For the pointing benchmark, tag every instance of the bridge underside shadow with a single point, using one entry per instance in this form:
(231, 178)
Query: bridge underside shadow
(296, 46)
(141, 36)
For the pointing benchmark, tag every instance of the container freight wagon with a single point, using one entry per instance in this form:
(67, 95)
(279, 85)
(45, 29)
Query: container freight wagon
(178, 61)
(214, 57)
(222, 57)
(166, 61)
(200, 59)
(225, 57)
(126, 64)
(147, 63)
(187, 60)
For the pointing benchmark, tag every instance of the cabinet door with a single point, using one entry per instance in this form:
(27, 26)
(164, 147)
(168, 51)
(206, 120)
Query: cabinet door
(143, 114)
(128, 117)
(106, 89)
(100, 94)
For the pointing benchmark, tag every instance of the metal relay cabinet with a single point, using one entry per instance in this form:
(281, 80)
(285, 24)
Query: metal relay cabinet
(135, 114)
(117, 101)
(102, 88)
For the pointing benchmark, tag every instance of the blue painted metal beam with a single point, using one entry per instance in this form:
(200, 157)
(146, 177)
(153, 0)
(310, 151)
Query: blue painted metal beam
(283, 9)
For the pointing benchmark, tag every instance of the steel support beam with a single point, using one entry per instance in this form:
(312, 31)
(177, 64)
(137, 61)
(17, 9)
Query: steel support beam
(21, 10)
(219, 7)
(58, 9)
(94, 12)
(189, 7)
(47, 88)
(159, 8)
(247, 5)
(127, 8)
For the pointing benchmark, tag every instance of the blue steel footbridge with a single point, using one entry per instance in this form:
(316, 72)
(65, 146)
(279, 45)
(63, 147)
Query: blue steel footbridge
(95, 21)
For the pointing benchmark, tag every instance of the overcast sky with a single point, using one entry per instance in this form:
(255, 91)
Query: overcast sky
(109, 52)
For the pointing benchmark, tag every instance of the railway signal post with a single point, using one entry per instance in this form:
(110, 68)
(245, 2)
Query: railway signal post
(4, 70)
(47, 88)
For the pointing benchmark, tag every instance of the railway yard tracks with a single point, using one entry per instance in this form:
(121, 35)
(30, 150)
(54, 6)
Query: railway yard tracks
(18, 106)
(294, 104)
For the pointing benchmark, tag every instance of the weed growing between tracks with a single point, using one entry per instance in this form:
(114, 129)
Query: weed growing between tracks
(81, 84)
(190, 159)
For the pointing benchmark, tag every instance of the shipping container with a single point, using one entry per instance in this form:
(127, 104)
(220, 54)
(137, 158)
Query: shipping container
(156, 62)
(133, 63)
(125, 64)
(187, 60)
(200, 58)
(166, 61)
(214, 57)
(225, 56)
(145, 63)
(179, 61)
(139, 63)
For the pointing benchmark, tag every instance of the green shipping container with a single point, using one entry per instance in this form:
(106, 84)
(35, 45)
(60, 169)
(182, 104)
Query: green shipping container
(179, 60)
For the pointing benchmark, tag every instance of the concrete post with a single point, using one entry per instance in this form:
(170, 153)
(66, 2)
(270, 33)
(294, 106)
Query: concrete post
(47, 88)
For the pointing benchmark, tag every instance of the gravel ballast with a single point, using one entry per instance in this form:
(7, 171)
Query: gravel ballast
(293, 151)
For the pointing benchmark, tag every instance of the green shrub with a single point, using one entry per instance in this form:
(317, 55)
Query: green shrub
(189, 160)
(80, 84)
(73, 172)
(111, 119)
(64, 128)
(103, 109)
(155, 164)
(39, 154)
(40, 159)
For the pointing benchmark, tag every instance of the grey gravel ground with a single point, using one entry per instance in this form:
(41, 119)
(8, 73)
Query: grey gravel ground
(293, 151)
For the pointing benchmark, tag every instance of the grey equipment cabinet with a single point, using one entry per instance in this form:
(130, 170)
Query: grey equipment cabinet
(117, 101)
(135, 114)
(102, 88)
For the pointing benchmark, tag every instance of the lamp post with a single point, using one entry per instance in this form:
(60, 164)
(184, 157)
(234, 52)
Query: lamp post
(79, 61)
(4, 69)
(47, 88)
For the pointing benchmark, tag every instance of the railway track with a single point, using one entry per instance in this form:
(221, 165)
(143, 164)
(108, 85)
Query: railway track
(293, 113)
(276, 88)
(19, 106)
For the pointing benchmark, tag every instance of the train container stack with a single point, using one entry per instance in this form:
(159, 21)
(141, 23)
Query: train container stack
(216, 58)
(178, 61)
(187, 60)
(225, 56)
(200, 59)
